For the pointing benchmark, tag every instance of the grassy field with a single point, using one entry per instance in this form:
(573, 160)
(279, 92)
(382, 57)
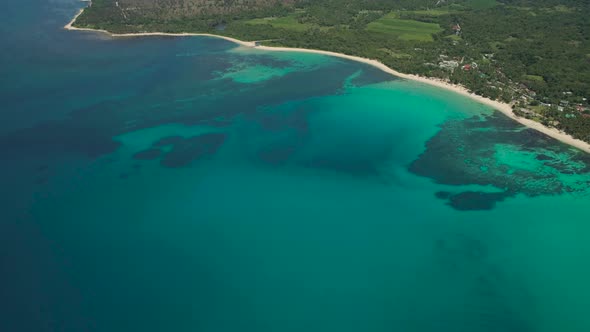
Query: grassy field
(482, 4)
(432, 12)
(534, 78)
(454, 37)
(496, 45)
(287, 22)
(404, 29)
(396, 55)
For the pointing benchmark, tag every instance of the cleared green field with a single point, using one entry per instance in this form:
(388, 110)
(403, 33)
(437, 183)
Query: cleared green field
(535, 78)
(432, 12)
(287, 22)
(563, 9)
(496, 45)
(454, 37)
(395, 55)
(482, 4)
(404, 29)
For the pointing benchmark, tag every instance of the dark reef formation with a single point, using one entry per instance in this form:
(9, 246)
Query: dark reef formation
(494, 151)
(183, 151)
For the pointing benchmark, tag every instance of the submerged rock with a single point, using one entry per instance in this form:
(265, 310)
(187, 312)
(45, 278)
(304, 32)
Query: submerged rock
(193, 148)
(149, 154)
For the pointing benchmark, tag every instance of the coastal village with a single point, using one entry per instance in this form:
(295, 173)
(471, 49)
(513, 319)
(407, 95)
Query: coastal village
(525, 102)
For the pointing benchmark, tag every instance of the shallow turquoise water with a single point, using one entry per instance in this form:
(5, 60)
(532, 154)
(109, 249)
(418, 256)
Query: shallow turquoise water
(184, 184)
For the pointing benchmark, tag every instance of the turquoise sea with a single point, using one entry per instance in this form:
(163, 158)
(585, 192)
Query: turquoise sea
(187, 184)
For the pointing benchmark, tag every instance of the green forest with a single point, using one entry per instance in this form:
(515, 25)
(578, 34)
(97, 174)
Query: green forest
(534, 54)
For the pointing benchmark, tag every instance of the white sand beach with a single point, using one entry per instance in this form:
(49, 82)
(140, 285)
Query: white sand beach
(500, 106)
(70, 26)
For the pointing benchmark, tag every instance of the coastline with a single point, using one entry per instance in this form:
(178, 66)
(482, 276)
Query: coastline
(70, 26)
(505, 108)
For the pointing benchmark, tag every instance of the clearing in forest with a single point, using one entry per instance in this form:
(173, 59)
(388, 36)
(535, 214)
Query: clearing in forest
(392, 25)
(290, 22)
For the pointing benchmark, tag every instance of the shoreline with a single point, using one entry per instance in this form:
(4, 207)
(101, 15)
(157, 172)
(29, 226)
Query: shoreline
(70, 26)
(504, 108)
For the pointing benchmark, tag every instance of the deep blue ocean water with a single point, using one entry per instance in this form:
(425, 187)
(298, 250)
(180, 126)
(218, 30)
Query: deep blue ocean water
(187, 184)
